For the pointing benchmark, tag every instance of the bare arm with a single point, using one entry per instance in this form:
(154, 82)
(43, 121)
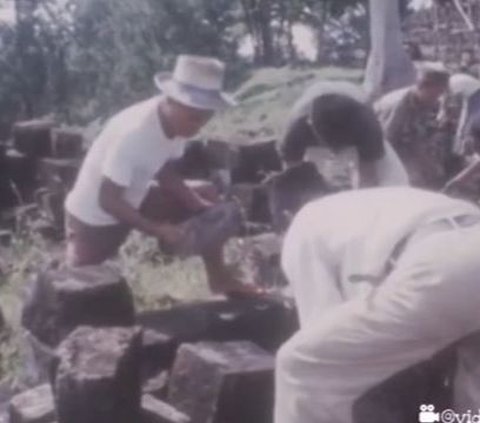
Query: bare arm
(113, 202)
(173, 182)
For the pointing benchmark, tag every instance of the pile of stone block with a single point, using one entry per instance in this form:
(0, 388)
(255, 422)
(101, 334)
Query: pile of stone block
(99, 361)
(253, 175)
(40, 165)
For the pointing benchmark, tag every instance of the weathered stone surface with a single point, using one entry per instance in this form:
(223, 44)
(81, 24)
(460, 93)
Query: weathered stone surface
(258, 257)
(33, 138)
(51, 203)
(58, 174)
(61, 300)
(38, 361)
(195, 163)
(223, 382)
(67, 143)
(156, 385)
(156, 411)
(33, 406)
(7, 196)
(98, 379)
(158, 351)
(244, 194)
(221, 154)
(266, 322)
(21, 171)
(256, 161)
(291, 189)
(253, 199)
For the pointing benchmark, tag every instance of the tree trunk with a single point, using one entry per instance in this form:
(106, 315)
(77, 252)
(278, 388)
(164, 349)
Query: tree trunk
(266, 33)
(389, 67)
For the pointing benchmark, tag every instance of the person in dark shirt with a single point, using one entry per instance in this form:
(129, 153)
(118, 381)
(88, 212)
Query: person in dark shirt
(410, 120)
(333, 115)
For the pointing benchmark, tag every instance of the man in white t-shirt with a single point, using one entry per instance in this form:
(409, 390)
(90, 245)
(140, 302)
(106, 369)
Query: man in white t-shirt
(383, 278)
(113, 192)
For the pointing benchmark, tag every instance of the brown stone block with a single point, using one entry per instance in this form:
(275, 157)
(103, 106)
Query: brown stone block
(58, 174)
(223, 382)
(33, 406)
(62, 300)
(33, 138)
(98, 378)
(67, 143)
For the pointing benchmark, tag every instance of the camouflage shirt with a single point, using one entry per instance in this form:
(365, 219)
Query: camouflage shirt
(413, 130)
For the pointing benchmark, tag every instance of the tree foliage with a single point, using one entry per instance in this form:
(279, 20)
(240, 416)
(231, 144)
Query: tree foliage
(85, 58)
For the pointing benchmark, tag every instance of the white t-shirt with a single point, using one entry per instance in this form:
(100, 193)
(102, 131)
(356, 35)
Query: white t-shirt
(130, 151)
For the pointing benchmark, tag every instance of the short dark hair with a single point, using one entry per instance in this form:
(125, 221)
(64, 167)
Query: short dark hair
(433, 78)
(340, 119)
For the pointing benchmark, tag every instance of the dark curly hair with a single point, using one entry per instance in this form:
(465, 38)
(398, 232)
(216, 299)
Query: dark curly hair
(340, 120)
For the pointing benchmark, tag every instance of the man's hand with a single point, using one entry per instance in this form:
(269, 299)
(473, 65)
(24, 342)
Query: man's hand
(172, 235)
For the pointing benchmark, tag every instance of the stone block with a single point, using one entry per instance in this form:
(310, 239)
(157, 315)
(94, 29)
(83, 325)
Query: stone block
(67, 143)
(98, 378)
(33, 406)
(258, 258)
(195, 163)
(156, 411)
(21, 171)
(158, 351)
(38, 360)
(266, 322)
(290, 190)
(7, 196)
(223, 382)
(58, 174)
(256, 161)
(51, 203)
(221, 154)
(61, 300)
(33, 138)
(156, 385)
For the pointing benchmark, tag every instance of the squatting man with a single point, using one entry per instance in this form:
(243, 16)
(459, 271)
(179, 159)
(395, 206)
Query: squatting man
(114, 191)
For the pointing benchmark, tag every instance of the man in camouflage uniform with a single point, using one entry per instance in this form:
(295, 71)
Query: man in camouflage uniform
(409, 120)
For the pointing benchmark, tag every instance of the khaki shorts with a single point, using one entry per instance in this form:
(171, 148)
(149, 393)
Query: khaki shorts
(90, 245)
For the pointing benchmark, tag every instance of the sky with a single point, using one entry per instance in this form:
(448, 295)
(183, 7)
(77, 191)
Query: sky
(303, 38)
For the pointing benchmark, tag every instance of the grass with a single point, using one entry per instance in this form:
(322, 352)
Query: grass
(266, 98)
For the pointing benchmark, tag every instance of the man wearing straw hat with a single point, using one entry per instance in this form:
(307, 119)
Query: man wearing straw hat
(114, 191)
